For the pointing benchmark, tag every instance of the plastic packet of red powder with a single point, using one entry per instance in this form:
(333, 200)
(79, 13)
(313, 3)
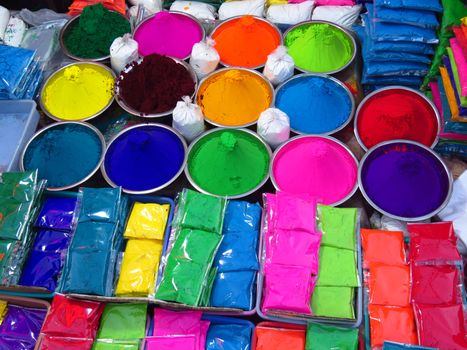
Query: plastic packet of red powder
(441, 326)
(434, 243)
(54, 343)
(389, 285)
(436, 285)
(385, 247)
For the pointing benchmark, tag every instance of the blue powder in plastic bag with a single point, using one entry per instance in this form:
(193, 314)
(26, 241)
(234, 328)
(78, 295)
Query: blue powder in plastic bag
(396, 69)
(51, 241)
(425, 19)
(393, 80)
(241, 216)
(57, 213)
(427, 5)
(93, 236)
(228, 337)
(237, 252)
(100, 204)
(42, 270)
(234, 290)
(14, 64)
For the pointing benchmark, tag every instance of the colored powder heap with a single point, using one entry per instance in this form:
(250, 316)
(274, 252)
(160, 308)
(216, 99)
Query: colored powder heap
(314, 104)
(234, 97)
(170, 34)
(405, 180)
(94, 32)
(78, 92)
(319, 47)
(317, 166)
(228, 162)
(246, 41)
(397, 114)
(127, 159)
(64, 154)
(155, 85)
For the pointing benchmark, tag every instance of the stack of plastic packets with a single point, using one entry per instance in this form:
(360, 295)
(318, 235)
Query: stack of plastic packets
(96, 243)
(19, 196)
(398, 42)
(195, 239)
(20, 73)
(236, 260)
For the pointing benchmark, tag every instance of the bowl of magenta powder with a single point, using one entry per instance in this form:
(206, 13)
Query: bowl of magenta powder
(152, 85)
(89, 35)
(405, 180)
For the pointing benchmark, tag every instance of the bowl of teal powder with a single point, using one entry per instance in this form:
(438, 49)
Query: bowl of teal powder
(65, 154)
(315, 103)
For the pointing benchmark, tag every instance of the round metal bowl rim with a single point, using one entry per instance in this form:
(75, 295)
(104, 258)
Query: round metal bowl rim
(195, 185)
(338, 82)
(347, 149)
(203, 31)
(123, 105)
(281, 40)
(50, 115)
(395, 87)
(87, 125)
(180, 137)
(349, 34)
(68, 53)
(210, 75)
(429, 150)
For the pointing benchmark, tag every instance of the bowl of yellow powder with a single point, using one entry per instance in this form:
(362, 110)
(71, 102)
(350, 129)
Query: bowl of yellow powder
(78, 92)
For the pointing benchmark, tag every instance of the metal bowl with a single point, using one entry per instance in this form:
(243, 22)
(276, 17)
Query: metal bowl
(352, 39)
(64, 31)
(395, 87)
(41, 97)
(178, 13)
(276, 152)
(427, 149)
(200, 189)
(175, 132)
(337, 81)
(55, 125)
(219, 26)
(208, 77)
(132, 111)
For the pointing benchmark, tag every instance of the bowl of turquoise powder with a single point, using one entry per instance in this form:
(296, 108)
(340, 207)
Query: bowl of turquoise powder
(65, 154)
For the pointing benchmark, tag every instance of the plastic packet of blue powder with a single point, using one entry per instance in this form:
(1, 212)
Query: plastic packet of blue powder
(393, 80)
(402, 46)
(58, 213)
(425, 19)
(228, 337)
(94, 236)
(238, 251)
(14, 64)
(100, 204)
(426, 5)
(395, 69)
(234, 290)
(241, 216)
(42, 270)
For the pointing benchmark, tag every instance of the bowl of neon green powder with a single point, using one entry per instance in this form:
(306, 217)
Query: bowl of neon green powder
(88, 36)
(228, 162)
(320, 47)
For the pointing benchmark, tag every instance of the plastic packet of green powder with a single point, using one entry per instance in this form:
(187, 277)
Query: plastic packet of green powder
(196, 246)
(338, 226)
(200, 211)
(6, 248)
(116, 345)
(324, 337)
(14, 217)
(337, 268)
(206, 295)
(123, 321)
(333, 302)
(18, 185)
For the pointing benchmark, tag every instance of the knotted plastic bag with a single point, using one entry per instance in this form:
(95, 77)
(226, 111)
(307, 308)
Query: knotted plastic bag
(279, 66)
(151, 6)
(123, 51)
(188, 119)
(240, 8)
(290, 13)
(204, 57)
(274, 126)
(199, 10)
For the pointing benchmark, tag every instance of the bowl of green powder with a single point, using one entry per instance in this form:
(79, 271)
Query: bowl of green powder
(320, 47)
(88, 36)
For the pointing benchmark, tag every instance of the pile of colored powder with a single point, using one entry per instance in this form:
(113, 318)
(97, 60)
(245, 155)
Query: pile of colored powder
(318, 47)
(64, 154)
(94, 32)
(228, 163)
(234, 97)
(315, 104)
(155, 85)
(404, 180)
(168, 33)
(397, 114)
(246, 41)
(78, 91)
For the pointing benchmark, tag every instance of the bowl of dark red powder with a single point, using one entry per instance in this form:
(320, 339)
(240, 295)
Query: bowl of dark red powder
(152, 85)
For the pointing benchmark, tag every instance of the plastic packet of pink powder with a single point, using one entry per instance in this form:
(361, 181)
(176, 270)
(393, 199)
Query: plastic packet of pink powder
(180, 342)
(297, 248)
(295, 212)
(203, 328)
(288, 288)
(169, 323)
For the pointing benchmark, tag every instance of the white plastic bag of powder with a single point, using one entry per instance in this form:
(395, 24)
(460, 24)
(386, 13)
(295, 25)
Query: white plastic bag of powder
(240, 8)
(204, 57)
(199, 10)
(279, 66)
(290, 13)
(123, 51)
(188, 119)
(274, 126)
(346, 16)
(152, 6)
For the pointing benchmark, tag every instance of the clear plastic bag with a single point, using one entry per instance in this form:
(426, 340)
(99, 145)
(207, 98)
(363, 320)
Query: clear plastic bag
(240, 8)
(290, 13)
(123, 51)
(345, 16)
(199, 10)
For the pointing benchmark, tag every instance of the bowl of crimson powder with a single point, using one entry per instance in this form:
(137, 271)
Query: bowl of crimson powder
(152, 85)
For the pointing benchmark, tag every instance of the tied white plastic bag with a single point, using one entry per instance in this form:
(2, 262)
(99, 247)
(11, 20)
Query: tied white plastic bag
(123, 51)
(290, 13)
(151, 6)
(345, 16)
(279, 66)
(204, 57)
(240, 8)
(274, 126)
(14, 32)
(188, 119)
(199, 10)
